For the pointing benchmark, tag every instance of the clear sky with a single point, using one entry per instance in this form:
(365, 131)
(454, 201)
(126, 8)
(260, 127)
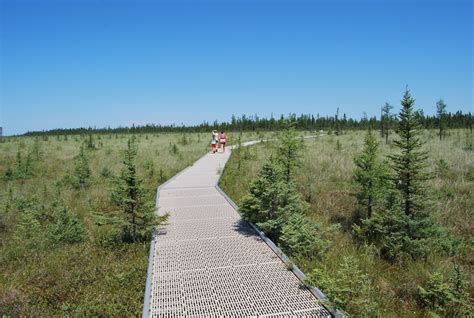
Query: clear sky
(98, 63)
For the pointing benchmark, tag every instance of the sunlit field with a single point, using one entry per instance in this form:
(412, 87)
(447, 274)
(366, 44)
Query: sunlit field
(97, 275)
(366, 283)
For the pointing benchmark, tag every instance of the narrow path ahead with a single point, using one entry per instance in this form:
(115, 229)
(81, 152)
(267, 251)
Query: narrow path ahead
(208, 262)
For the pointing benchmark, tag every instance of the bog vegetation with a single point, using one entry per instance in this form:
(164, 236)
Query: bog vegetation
(76, 217)
(382, 225)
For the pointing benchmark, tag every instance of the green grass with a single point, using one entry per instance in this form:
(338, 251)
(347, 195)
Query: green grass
(93, 278)
(325, 181)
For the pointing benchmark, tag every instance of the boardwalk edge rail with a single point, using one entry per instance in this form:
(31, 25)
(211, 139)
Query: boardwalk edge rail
(298, 273)
(149, 274)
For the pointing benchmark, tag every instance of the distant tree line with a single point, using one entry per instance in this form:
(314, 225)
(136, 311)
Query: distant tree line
(334, 123)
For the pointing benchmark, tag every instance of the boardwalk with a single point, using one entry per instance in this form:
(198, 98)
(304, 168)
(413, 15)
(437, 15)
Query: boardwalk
(208, 262)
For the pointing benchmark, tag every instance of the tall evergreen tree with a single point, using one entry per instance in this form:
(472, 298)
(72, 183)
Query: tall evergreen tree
(404, 227)
(441, 113)
(410, 162)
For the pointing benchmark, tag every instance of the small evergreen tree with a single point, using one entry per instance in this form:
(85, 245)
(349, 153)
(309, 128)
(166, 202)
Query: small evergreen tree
(82, 171)
(300, 237)
(441, 113)
(459, 283)
(67, 228)
(24, 167)
(137, 212)
(446, 296)
(9, 175)
(386, 121)
(347, 287)
(336, 123)
(3, 212)
(36, 149)
(288, 151)
(28, 229)
(272, 200)
(90, 142)
(238, 151)
(370, 175)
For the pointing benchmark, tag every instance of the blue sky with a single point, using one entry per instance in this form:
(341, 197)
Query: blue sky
(109, 63)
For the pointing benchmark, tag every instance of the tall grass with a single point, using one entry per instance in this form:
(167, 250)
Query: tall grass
(97, 277)
(325, 181)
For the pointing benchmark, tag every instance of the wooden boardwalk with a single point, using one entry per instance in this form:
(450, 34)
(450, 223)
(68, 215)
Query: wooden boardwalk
(208, 262)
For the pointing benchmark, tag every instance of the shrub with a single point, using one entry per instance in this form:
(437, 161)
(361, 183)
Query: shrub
(67, 228)
(106, 172)
(436, 293)
(300, 237)
(346, 287)
(470, 174)
(271, 200)
(28, 230)
(82, 172)
(9, 175)
(446, 296)
(442, 169)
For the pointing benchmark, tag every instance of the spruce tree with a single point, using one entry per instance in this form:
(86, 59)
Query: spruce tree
(336, 122)
(386, 120)
(288, 151)
(3, 216)
(82, 171)
(67, 228)
(272, 200)
(300, 237)
(404, 227)
(441, 113)
(409, 229)
(90, 142)
(370, 175)
(238, 151)
(409, 163)
(19, 165)
(28, 229)
(137, 212)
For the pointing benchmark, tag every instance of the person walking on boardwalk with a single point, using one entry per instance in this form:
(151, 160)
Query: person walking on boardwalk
(222, 140)
(214, 140)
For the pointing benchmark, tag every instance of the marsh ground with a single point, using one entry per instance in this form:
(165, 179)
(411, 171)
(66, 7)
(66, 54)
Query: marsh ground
(96, 277)
(325, 182)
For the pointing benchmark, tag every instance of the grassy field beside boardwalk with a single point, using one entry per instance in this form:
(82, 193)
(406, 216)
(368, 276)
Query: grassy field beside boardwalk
(94, 276)
(367, 283)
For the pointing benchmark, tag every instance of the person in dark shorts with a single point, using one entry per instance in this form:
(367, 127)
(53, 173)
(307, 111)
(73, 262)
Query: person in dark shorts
(222, 140)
